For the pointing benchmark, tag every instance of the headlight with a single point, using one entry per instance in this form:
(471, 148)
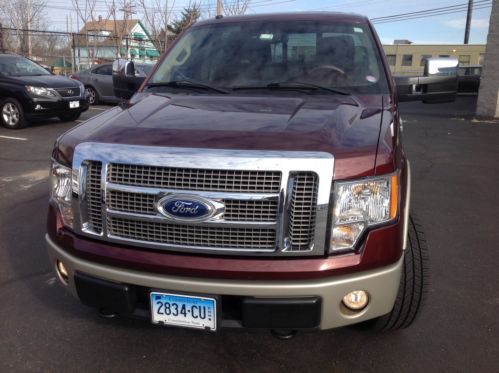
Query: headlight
(40, 91)
(359, 205)
(61, 191)
(82, 88)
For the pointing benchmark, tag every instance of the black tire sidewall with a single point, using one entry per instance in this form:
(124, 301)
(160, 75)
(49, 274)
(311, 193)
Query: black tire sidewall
(22, 122)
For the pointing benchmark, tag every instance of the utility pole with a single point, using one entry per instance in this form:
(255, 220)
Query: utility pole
(2, 47)
(468, 22)
(30, 18)
(219, 7)
(128, 9)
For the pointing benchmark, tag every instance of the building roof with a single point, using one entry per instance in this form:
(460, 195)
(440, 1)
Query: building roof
(112, 30)
(120, 27)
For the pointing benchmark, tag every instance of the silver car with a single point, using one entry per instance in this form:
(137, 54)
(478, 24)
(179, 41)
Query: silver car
(98, 81)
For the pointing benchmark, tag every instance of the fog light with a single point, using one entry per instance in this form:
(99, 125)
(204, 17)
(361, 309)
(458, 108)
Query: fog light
(356, 300)
(62, 271)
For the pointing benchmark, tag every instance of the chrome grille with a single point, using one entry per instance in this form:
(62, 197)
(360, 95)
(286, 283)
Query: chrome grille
(194, 236)
(303, 211)
(68, 92)
(278, 210)
(195, 179)
(137, 203)
(94, 197)
(260, 211)
(235, 210)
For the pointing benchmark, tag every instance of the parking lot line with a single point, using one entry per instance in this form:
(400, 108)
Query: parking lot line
(14, 138)
(98, 108)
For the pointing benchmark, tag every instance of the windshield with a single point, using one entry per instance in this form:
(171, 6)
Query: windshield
(256, 54)
(19, 66)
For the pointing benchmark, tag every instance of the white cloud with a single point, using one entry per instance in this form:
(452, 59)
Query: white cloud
(461, 23)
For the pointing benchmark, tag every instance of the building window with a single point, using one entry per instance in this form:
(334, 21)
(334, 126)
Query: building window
(392, 59)
(444, 56)
(464, 59)
(407, 60)
(424, 57)
(481, 58)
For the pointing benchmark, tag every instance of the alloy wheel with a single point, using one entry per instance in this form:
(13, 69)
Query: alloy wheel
(91, 95)
(10, 114)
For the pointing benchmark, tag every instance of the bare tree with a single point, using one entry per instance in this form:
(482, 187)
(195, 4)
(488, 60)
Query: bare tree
(23, 15)
(86, 12)
(157, 15)
(235, 7)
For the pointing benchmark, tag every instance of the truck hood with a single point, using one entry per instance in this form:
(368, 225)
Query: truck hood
(47, 81)
(346, 127)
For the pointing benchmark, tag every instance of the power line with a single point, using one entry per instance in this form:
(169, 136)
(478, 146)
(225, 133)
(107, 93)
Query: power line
(458, 8)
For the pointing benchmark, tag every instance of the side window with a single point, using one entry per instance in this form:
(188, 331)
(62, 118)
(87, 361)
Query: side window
(104, 70)
(392, 59)
(407, 60)
(464, 59)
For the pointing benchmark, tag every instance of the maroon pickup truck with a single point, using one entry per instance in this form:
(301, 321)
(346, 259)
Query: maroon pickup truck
(257, 179)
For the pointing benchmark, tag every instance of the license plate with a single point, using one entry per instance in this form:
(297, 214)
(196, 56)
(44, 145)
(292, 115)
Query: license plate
(182, 310)
(74, 104)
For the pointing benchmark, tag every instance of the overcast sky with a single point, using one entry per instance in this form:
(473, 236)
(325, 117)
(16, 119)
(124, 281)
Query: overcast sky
(443, 29)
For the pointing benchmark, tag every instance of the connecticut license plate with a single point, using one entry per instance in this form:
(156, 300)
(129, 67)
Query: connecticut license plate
(182, 310)
(74, 104)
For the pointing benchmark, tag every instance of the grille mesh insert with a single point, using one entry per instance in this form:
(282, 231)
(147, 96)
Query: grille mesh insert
(303, 211)
(195, 179)
(94, 196)
(197, 236)
(235, 210)
(68, 92)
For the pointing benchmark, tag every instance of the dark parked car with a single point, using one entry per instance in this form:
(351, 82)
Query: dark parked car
(257, 179)
(98, 81)
(29, 91)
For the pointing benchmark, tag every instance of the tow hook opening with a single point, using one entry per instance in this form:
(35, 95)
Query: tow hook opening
(283, 334)
(106, 314)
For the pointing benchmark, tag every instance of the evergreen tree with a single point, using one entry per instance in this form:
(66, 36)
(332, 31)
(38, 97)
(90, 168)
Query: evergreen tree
(189, 15)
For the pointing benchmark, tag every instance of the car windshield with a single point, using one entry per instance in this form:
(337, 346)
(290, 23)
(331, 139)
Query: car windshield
(19, 66)
(261, 54)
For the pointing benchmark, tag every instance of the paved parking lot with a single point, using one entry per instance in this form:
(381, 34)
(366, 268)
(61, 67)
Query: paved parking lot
(455, 163)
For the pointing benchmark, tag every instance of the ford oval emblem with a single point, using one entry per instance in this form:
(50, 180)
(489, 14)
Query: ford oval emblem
(188, 208)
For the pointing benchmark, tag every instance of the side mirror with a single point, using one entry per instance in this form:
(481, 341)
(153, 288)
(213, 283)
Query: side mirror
(125, 82)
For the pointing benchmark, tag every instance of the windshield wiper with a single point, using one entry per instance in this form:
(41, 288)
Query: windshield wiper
(294, 85)
(187, 84)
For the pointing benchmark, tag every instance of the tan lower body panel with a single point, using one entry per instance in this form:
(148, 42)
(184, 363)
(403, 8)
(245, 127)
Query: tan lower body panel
(382, 285)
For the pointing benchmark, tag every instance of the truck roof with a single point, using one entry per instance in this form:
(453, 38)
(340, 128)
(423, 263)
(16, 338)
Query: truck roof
(295, 16)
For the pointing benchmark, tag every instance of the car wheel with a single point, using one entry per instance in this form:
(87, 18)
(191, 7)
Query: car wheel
(92, 96)
(12, 114)
(69, 117)
(413, 284)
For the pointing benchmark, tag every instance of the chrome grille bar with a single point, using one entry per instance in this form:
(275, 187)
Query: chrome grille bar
(302, 213)
(235, 210)
(94, 197)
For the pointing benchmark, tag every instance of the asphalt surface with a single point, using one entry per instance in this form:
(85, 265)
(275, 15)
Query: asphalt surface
(455, 163)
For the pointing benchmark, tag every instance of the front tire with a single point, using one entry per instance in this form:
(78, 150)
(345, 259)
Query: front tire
(413, 284)
(92, 95)
(69, 117)
(12, 114)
